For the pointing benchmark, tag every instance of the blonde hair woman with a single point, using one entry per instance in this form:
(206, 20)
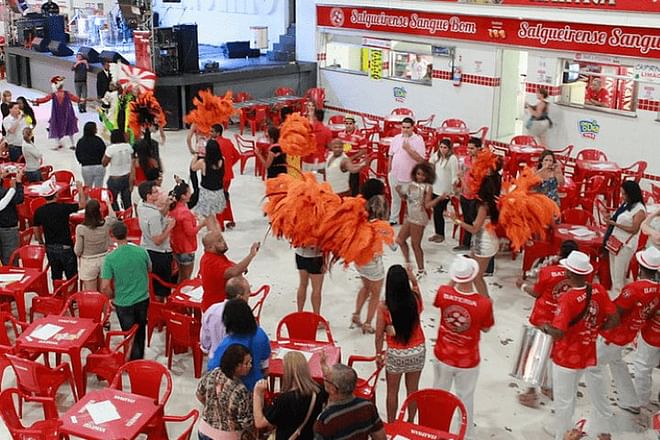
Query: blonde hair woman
(294, 411)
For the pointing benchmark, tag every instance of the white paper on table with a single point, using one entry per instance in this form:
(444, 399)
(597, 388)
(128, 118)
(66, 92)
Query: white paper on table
(102, 412)
(46, 331)
(400, 437)
(603, 166)
(195, 294)
(11, 277)
(528, 149)
(283, 351)
(581, 232)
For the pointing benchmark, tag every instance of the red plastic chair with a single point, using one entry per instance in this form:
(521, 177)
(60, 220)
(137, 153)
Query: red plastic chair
(100, 194)
(634, 171)
(25, 236)
(68, 179)
(109, 359)
(183, 331)
(134, 232)
(125, 214)
(453, 123)
(603, 213)
(595, 186)
(403, 111)
(46, 170)
(47, 429)
(426, 123)
(591, 154)
(284, 91)
(8, 339)
(35, 379)
(91, 305)
(539, 249)
(261, 294)
(435, 409)
(564, 154)
(371, 123)
(146, 379)
(577, 216)
(302, 326)
(185, 435)
(316, 95)
(337, 119)
(53, 304)
(523, 140)
(366, 388)
(157, 308)
(655, 189)
(242, 97)
(246, 149)
(256, 117)
(31, 256)
(34, 204)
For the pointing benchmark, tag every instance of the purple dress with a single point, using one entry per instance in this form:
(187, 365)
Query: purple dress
(63, 120)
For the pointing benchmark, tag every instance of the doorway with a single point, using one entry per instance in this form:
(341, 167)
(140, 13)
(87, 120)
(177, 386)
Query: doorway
(513, 76)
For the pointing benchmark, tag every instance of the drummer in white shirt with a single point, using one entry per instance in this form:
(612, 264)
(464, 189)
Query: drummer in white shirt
(337, 168)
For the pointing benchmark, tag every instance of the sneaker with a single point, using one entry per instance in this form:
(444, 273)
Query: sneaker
(420, 273)
(434, 238)
(460, 248)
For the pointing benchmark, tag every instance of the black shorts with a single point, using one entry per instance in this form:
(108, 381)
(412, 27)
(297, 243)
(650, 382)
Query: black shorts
(311, 265)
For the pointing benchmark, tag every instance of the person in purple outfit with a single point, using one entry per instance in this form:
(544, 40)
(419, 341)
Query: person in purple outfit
(63, 122)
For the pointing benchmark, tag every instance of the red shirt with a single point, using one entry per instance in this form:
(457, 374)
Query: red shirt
(463, 317)
(639, 299)
(230, 155)
(183, 238)
(577, 348)
(549, 287)
(417, 334)
(212, 269)
(323, 136)
(651, 331)
(601, 96)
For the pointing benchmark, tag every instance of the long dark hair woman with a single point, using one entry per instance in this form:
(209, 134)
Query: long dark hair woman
(624, 228)
(92, 242)
(148, 166)
(211, 194)
(399, 324)
(28, 112)
(89, 153)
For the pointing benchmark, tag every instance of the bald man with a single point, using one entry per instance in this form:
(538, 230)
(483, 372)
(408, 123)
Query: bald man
(215, 268)
(213, 329)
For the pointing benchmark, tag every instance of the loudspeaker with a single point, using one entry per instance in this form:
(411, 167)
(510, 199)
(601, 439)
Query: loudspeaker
(89, 54)
(167, 61)
(186, 41)
(59, 49)
(55, 26)
(112, 56)
(40, 44)
(164, 37)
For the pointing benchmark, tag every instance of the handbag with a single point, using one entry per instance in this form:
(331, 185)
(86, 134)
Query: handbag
(614, 245)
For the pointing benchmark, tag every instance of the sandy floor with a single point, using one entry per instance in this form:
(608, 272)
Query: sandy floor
(498, 414)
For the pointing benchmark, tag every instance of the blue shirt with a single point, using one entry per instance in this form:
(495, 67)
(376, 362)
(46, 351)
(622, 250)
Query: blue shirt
(259, 346)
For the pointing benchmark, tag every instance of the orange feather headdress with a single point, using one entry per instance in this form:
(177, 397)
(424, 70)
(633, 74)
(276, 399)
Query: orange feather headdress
(209, 110)
(145, 111)
(296, 137)
(525, 213)
(482, 166)
(309, 213)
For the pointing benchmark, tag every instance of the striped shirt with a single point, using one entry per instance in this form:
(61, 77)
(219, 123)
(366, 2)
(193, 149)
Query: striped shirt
(356, 419)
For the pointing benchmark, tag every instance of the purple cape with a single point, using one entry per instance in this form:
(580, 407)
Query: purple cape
(63, 120)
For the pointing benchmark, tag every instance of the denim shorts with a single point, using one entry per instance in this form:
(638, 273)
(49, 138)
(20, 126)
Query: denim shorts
(185, 259)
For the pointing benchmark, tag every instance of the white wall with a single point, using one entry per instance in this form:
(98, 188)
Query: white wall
(306, 37)
(220, 21)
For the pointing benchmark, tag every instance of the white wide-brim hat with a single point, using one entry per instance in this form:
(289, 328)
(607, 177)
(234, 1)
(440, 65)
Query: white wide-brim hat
(649, 258)
(463, 269)
(578, 263)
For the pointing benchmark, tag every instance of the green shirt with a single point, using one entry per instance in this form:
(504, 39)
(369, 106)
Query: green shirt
(128, 266)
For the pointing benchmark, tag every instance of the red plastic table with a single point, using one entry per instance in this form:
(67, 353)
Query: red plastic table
(394, 121)
(70, 340)
(457, 135)
(276, 365)
(181, 298)
(416, 432)
(520, 155)
(584, 169)
(135, 412)
(17, 289)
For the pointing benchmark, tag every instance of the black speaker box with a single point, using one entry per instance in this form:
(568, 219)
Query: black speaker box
(89, 54)
(164, 36)
(187, 45)
(40, 44)
(112, 56)
(59, 49)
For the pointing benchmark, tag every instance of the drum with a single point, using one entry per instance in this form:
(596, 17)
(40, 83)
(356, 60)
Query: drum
(532, 360)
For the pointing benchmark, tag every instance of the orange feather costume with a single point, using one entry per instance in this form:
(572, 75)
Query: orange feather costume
(525, 213)
(308, 213)
(482, 166)
(145, 111)
(209, 110)
(296, 136)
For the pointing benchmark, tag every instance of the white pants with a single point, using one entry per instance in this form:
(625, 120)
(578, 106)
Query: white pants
(396, 198)
(619, 269)
(464, 381)
(598, 380)
(646, 359)
(565, 382)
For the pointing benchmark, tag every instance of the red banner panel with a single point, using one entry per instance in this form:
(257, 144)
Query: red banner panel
(595, 5)
(572, 37)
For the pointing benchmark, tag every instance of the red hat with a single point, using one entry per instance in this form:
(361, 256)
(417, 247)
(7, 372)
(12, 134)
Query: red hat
(56, 82)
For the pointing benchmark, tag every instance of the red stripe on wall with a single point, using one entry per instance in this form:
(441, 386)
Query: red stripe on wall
(648, 104)
(534, 87)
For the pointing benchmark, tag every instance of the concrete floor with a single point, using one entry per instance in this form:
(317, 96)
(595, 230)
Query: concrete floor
(497, 412)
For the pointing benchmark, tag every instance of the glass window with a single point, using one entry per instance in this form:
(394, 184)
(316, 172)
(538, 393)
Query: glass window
(604, 86)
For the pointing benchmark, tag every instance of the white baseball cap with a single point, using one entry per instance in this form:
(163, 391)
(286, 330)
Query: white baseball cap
(649, 258)
(463, 269)
(578, 263)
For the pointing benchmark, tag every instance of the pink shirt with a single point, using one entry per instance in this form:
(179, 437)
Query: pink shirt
(402, 162)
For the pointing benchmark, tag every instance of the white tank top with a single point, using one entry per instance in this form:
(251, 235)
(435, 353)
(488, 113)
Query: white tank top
(337, 178)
